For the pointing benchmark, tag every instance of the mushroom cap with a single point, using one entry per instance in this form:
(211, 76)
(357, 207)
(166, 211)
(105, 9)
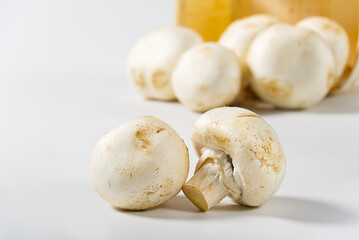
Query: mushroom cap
(239, 34)
(347, 81)
(153, 58)
(257, 157)
(334, 35)
(258, 160)
(238, 37)
(290, 67)
(139, 164)
(207, 76)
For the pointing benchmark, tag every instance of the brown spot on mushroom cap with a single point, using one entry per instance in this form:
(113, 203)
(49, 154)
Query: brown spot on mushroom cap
(165, 188)
(109, 183)
(304, 38)
(330, 78)
(138, 78)
(160, 130)
(141, 200)
(143, 139)
(262, 143)
(125, 171)
(221, 140)
(243, 124)
(275, 90)
(206, 51)
(199, 105)
(331, 28)
(342, 80)
(159, 79)
(266, 154)
(249, 115)
(202, 88)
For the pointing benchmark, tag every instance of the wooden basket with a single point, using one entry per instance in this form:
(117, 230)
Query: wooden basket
(211, 17)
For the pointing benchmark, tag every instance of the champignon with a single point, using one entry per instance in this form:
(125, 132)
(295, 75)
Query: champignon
(153, 58)
(239, 35)
(139, 164)
(207, 76)
(290, 67)
(347, 81)
(240, 156)
(336, 38)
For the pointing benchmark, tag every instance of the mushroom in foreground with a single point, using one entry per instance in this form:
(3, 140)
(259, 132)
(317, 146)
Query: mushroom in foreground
(290, 67)
(140, 164)
(153, 58)
(337, 39)
(207, 76)
(240, 156)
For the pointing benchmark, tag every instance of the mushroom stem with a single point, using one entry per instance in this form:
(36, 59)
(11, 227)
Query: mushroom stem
(204, 189)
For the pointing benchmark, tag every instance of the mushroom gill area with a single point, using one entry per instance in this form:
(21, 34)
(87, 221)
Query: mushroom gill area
(227, 173)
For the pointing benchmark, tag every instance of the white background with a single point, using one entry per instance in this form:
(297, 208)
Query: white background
(62, 86)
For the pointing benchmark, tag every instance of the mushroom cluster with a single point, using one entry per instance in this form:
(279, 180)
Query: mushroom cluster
(144, 162)
(289, 66)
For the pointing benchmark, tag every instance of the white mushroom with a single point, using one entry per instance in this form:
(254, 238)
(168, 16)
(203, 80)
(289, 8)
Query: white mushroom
(290, 67)
(336, 38)
(240, 156)
(154, 57)
(207, 76)
(239, 35)
(347, 81)
(140, 164)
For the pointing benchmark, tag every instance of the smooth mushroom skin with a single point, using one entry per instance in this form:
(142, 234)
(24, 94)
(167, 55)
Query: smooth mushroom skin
(240, 157)
(290, 67)
(153, 58)
(337, 39)
(239, 34)
(238, 37)
(207, 76)
(139, 164)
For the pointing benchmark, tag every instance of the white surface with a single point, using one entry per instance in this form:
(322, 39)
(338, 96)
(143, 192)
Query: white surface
(62, 86)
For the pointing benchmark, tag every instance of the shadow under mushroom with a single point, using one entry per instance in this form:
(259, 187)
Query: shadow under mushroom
(343, 103)
(295, 209)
